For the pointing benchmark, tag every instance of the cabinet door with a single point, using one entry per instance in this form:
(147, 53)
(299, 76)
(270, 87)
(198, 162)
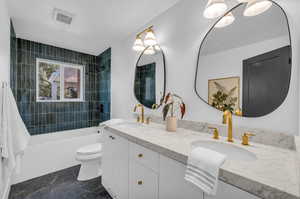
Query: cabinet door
(107, 162)
(227, 191)
(172, 184)
(143, 183)
(115, 165)
(121, 165)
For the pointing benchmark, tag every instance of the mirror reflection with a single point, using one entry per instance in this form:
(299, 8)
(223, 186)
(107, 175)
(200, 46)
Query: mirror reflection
(149, 83)
(245, 67)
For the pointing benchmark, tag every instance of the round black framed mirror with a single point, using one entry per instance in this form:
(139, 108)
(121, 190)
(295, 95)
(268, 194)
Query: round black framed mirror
(150, 77)
(244, 66)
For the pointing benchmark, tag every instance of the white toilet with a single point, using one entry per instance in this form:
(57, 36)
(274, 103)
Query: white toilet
(90, 158)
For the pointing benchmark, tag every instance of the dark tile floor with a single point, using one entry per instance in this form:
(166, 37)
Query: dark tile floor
(59, 185)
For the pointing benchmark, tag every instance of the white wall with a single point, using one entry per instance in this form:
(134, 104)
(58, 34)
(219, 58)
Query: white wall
(180, 31)
(4, 42)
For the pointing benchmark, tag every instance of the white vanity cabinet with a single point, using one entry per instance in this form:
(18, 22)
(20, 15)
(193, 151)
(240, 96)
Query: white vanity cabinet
(171, 178)
(131, 171)
(143, 173)
(115, 165)
(228, 191)
(143, 182)
(171, 181)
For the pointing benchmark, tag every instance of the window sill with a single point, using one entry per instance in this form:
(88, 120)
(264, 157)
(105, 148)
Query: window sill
(56, 101)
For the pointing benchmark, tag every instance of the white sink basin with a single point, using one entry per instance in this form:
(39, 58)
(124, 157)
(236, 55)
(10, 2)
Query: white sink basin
(130, 124)
(231, 151)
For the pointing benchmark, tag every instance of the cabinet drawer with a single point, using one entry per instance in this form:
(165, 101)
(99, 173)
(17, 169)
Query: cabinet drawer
(146, 157)
(143, 182)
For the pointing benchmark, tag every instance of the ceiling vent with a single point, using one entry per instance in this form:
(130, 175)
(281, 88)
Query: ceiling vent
(62, 16)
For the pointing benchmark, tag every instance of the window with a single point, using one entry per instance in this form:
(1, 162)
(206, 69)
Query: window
(58, 81)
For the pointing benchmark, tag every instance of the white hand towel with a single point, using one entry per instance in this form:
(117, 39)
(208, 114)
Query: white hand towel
(203, 169)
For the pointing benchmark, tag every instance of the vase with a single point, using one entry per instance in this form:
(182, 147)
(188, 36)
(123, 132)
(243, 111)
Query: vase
(171, 124)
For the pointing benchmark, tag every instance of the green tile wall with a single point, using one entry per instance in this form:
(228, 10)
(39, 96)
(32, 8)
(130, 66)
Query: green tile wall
(104, 60)
(47, 117)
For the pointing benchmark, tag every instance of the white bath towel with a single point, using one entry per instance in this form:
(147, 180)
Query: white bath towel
(203, 169)
(14, 137)
(7, 157)
(6, 140)
(12, 124)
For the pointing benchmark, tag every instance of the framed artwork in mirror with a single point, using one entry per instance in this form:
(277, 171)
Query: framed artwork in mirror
(224, 93)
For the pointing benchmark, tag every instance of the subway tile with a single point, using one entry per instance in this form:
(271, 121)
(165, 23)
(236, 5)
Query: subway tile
(48, 117)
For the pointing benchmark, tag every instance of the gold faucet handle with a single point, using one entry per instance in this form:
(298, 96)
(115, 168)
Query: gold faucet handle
(138, 119)
(148, 120)
(135, 107)
(245, 138)
(216, 132)
(154, 106)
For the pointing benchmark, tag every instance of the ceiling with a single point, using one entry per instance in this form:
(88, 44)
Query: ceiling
(247, 30)
(96, 24)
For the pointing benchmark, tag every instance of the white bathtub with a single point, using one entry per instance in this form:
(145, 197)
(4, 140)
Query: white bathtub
(54, 151)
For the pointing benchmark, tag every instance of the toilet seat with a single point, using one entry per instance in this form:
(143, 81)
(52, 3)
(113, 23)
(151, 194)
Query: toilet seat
(90, 149)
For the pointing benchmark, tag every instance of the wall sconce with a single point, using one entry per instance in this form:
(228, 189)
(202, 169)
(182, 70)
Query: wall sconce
(150, 39)
(138, 44)
(149, 42)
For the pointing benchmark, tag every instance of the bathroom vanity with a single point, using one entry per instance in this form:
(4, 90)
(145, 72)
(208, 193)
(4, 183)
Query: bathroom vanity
(145, 161)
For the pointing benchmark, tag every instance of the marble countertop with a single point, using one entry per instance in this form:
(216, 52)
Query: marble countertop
(273, 175)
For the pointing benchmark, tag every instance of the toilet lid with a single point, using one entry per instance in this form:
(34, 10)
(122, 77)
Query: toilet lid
(90, 149)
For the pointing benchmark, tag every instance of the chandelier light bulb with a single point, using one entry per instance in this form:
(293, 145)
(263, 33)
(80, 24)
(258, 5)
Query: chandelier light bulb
(215, 9)
(256, 7)
(150, 39)
(149, 51)
(138, 44)
(225, 21)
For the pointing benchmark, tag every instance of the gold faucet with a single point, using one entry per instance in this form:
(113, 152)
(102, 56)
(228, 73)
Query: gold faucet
(227, 119)
(142, 117)
(216, 132)
(245, 138)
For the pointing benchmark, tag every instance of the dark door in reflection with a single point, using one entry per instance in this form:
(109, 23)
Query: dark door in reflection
(266, 80)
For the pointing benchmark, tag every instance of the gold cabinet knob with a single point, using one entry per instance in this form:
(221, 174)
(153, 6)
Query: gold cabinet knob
(140, 155)
(140, 182)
